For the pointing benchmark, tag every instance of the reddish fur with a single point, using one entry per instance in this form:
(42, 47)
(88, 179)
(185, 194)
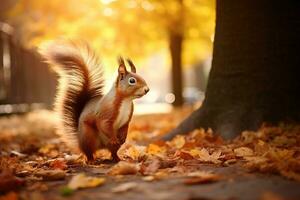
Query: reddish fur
(72, 101)
(104, 124)
(88, 143)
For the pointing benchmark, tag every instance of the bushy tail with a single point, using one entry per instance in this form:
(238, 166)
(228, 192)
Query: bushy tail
(80, 79)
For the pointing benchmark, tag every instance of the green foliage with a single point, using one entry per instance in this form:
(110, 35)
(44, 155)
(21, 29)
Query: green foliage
(66, 191)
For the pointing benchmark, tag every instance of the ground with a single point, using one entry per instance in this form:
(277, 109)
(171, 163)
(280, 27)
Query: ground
(36, 164)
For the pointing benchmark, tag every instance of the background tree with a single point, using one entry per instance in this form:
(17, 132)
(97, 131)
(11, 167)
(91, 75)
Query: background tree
(255, 68)
(183, 28)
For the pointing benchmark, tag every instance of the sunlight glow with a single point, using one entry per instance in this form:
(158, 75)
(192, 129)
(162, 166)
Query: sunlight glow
(106, 1)
(108, 12)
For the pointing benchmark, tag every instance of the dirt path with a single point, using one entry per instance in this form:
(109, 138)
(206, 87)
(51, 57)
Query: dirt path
(236, 184)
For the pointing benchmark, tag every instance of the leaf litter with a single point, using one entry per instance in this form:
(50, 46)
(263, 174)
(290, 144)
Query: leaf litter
(31, 152)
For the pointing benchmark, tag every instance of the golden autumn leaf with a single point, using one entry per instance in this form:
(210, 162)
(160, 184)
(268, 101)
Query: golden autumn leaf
(154, 149)
(203, 155)
(124, 168)
(178, 142)
(243, 152)
(82, 181)
(134, 152)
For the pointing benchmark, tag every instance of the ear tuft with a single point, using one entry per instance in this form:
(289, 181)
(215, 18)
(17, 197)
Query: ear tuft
(121, 61)
(132, 67)
(122, 68)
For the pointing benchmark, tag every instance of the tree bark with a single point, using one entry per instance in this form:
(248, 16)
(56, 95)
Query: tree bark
(175, 50)
(255, 68)
(5, 6)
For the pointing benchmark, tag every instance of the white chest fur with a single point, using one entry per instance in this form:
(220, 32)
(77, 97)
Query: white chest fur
(124, 113)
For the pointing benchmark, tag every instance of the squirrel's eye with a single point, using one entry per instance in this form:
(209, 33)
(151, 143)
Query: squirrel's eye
(131, 81)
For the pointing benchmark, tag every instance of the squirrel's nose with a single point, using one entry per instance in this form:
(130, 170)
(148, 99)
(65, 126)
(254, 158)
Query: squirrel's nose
(146, 89)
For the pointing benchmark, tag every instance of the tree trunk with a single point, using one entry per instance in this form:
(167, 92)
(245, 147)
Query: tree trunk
(175, 50)
(255, 69)
(5, 6)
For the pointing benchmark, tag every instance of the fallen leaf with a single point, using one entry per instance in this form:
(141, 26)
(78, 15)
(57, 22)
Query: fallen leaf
(58, 164)
(82, 181)
(51, 175)
(124, 168)
(150, 166)
(73, 159)
(125, 187)
(183, 155)
(243, 152)
(103, 154)
(133, 152)
(203, 155)
(46, 149)
(161, 174)
(201, 177)
(283, 140)
(177, 142)
(156, 150)
(148, 178)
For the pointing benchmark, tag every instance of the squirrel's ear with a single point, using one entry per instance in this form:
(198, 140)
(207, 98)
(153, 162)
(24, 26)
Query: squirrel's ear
(132, 67)
(122, 68)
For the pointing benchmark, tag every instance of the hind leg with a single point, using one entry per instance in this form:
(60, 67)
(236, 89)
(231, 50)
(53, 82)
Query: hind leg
(88, 139)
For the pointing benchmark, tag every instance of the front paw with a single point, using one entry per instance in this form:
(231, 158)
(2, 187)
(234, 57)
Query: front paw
(115, 157)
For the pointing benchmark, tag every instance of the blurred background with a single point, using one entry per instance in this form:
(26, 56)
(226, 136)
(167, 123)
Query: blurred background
(170, 42)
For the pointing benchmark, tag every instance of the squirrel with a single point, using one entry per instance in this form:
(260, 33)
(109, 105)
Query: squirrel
(90, 119)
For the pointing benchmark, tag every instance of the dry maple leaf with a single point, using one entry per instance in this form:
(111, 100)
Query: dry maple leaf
(133, 152)
(203, 155)
(82, 181)
(124, 168)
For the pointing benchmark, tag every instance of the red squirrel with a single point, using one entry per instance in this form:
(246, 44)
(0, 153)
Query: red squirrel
(89, 118)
